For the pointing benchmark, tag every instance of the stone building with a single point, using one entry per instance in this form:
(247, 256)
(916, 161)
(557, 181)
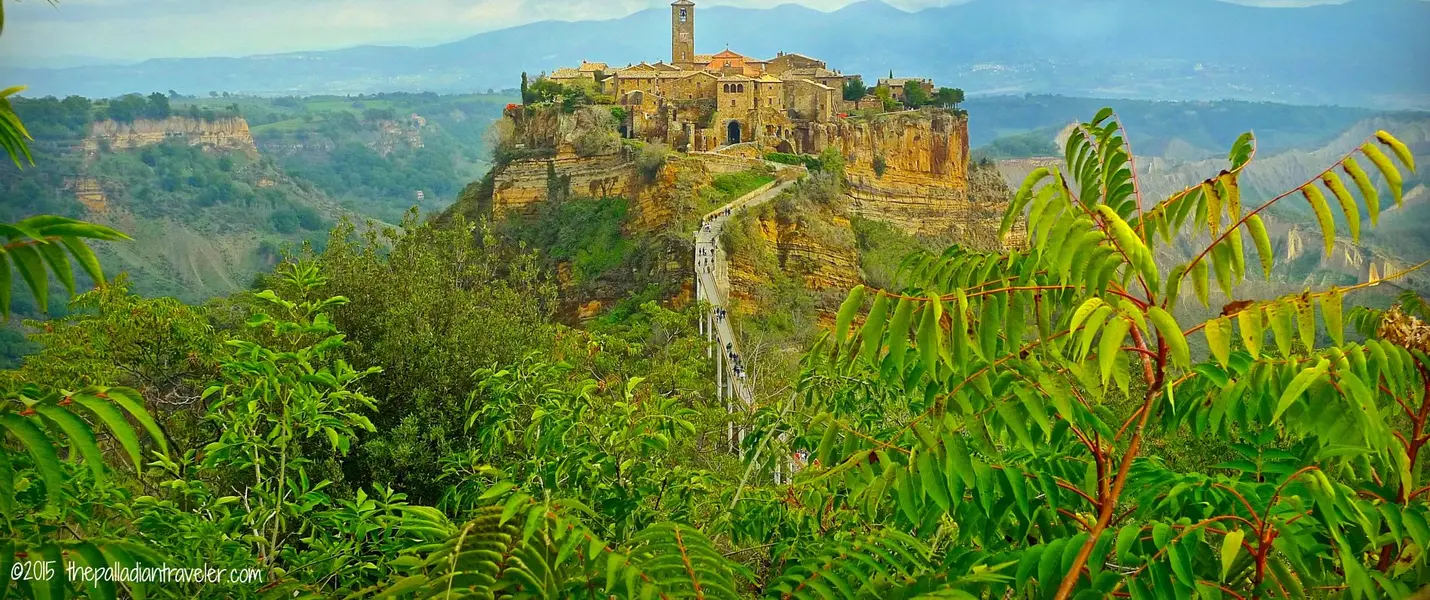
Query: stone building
(700, 102)
(898, 86)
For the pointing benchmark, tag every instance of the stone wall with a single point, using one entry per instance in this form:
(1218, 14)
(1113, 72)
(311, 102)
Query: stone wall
(228, 133)
(810, 101)
(728, 163)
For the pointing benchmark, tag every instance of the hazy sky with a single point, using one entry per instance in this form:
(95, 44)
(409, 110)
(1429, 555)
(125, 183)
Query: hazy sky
(37, 32)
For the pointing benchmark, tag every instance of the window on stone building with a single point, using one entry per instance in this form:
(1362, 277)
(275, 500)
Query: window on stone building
(683, 15)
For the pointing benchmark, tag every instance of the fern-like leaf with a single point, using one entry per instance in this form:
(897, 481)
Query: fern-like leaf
(1367, 191)
(1392, 175)
(39, 242)
(1323, 216)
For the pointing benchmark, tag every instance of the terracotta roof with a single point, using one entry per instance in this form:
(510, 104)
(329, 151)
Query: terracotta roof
(567, 73)
(704, 58)
(735, 78)
(661, 66)
(770, 79)
(592, 66)
(727, 53)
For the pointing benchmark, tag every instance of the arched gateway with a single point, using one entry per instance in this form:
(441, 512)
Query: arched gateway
(732, 133)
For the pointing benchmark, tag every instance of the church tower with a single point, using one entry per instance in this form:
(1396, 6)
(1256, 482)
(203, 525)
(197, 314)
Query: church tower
(682, 33)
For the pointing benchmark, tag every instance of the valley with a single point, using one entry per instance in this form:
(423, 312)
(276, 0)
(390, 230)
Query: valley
(215, 188)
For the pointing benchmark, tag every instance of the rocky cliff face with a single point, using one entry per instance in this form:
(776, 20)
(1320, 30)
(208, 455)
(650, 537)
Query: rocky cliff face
(522, 185)
(89, 193)
(909, 169)
(823, 264)
(228, 133)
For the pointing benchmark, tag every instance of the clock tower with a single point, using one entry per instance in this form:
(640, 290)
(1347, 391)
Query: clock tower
(682, 33)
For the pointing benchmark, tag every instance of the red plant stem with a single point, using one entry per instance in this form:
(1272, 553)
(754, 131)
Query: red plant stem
(1109, 500)
(1388, 553)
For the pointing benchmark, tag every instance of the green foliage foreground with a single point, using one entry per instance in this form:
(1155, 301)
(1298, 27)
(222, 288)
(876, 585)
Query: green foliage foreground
(1005, 426)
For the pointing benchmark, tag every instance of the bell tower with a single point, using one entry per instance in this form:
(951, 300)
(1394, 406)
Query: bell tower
(682, 33)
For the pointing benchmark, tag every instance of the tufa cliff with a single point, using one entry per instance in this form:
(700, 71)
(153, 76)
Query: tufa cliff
(908, 168)
(818, 236)
(226, 133)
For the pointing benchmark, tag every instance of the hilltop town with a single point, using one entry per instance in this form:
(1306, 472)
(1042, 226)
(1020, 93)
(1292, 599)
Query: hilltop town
(700, 102)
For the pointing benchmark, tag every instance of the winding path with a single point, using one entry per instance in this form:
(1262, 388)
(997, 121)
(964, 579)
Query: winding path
(712, 285)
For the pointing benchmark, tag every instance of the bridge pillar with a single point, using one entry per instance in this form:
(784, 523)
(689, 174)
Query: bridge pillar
(719, 376)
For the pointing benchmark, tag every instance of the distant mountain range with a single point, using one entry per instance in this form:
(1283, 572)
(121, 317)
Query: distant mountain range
(1370, 53)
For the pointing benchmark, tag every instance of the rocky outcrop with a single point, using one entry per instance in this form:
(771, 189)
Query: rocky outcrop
(909, 168)
(522, 185)
(660, 202)
(803, 238)
(89, 193)
(392, 135)
(227, 133)
(821, 264)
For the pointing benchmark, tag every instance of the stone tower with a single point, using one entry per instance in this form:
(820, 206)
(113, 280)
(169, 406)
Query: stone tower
(682, 33)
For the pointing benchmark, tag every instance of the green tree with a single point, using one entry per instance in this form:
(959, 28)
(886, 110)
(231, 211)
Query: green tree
(166, 351)
(39, 246)
(466, 304)
(886, 97)
(273, 397)
(158, 106)
(948, 97)
(855, 89)
(916, 95)
(831, 161)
